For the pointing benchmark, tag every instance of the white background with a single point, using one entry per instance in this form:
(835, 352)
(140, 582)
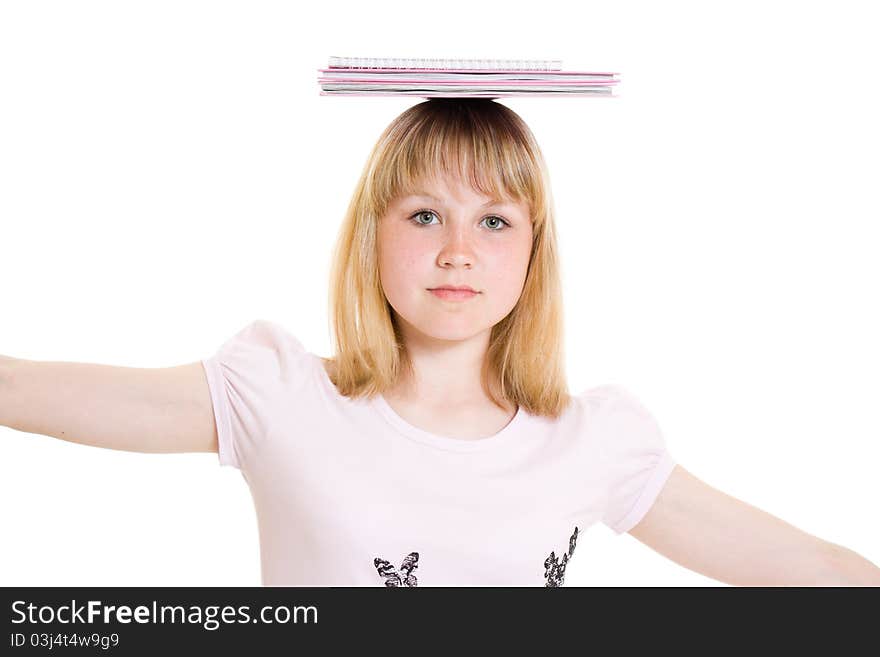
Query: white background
(169, 173)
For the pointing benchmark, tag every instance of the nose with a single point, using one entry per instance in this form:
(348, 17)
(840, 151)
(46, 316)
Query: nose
(457, 250)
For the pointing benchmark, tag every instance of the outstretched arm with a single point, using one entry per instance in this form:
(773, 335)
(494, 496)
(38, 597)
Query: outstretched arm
(714, 534)
(135, 409)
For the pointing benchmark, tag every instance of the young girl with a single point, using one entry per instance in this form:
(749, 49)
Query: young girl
(440, 445)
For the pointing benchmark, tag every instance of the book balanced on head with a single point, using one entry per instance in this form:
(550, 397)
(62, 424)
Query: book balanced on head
(459, 78)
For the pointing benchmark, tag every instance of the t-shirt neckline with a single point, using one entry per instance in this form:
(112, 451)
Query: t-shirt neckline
(379, 405)
(504, 435)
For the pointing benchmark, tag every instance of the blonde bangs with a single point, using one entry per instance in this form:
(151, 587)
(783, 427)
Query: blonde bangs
(463, 141)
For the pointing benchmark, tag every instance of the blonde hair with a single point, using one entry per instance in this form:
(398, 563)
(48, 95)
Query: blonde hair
(489, 146)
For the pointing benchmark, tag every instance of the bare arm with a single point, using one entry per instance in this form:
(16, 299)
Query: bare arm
(722, 537)
(134, 409)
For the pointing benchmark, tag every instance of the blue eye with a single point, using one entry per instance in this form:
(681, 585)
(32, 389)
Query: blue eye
(493, 216)
(414, 219)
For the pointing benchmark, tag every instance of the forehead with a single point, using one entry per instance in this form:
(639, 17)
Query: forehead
(445, 189)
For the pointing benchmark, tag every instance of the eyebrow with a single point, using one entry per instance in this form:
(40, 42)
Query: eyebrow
(495, 201)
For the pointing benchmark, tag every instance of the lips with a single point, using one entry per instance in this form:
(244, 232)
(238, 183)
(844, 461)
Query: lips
(449, 294)
(454, 288)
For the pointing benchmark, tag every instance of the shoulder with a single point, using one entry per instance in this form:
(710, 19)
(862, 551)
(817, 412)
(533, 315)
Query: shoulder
(606, 396)
(263, 348)
(621, 418)
(266, 332)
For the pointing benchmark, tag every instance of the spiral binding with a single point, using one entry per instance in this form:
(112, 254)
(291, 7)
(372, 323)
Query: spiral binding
(446, 64)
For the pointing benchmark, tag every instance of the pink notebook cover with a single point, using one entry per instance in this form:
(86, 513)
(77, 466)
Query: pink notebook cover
(459, 70)
(535, 94)
(474, 83)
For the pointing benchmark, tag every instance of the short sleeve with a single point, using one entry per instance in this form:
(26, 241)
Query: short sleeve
(635, 455)
(247, 377)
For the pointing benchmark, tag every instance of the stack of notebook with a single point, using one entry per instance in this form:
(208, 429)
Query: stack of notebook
(459, 78)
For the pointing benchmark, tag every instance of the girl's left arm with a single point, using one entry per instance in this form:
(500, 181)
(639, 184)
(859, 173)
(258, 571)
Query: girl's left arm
(719, 536)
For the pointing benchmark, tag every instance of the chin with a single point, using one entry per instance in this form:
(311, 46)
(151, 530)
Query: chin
(446, 326)
(451, 333)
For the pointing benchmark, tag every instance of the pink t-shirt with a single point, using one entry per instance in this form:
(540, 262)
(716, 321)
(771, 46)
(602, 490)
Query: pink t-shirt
(348, 493)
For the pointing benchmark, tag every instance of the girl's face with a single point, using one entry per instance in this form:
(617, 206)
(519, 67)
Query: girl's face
(452, 235)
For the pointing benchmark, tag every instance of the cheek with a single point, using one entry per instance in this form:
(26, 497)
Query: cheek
(508, 265)
(399, 260)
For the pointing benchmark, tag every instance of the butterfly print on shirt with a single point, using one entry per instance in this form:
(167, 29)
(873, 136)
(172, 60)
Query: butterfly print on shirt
(405, 576)
(554, 570)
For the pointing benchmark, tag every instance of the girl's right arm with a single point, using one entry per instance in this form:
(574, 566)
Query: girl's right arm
(134, 409)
